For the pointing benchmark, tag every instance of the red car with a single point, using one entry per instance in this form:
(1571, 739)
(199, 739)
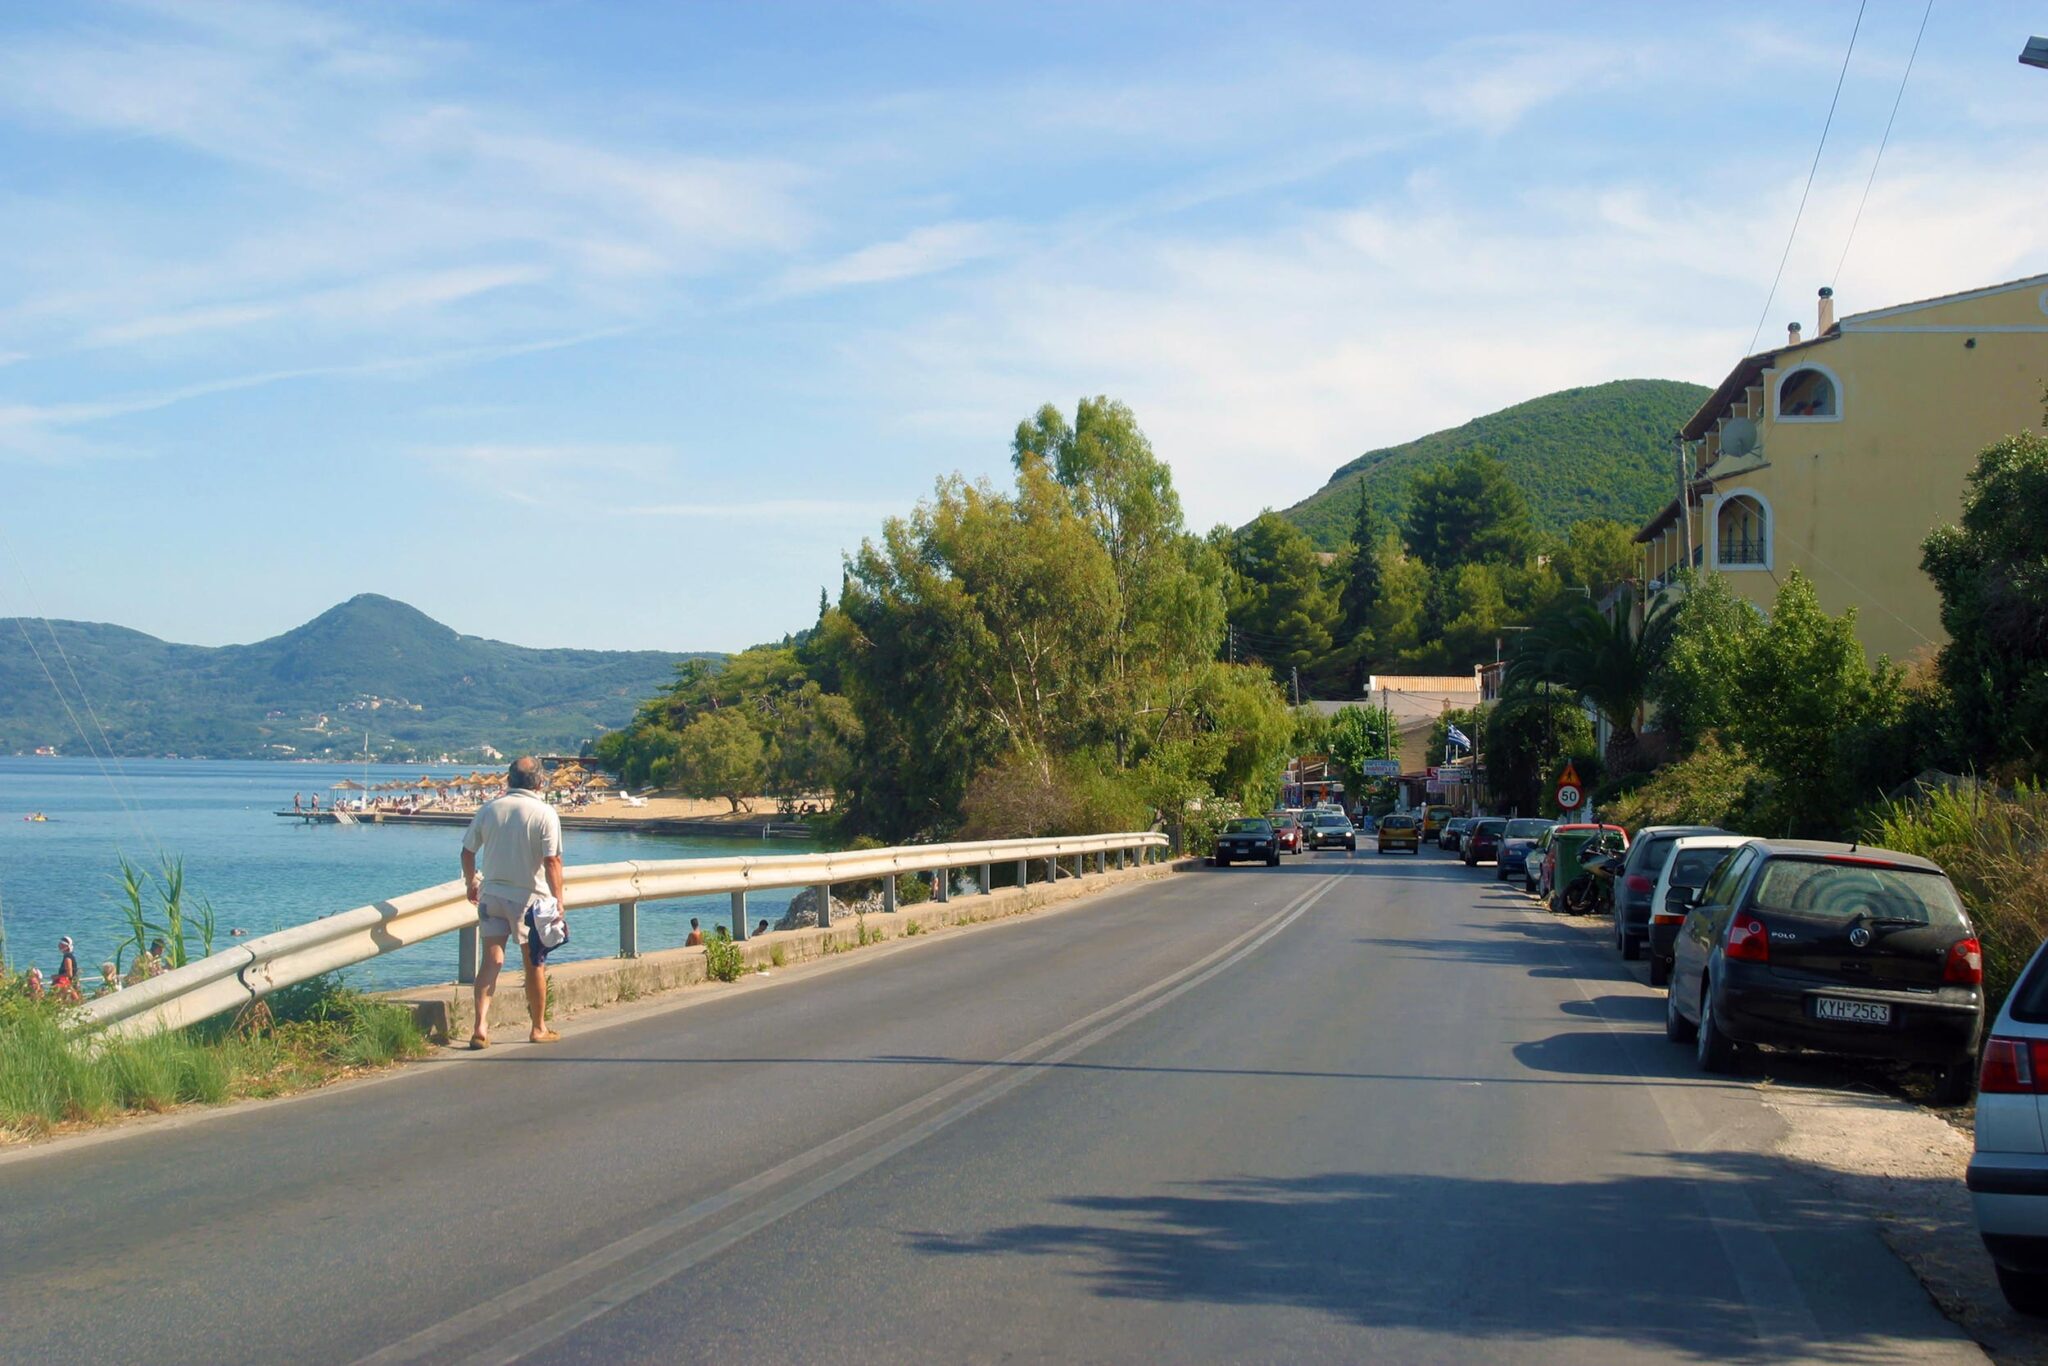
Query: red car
(1287, 834)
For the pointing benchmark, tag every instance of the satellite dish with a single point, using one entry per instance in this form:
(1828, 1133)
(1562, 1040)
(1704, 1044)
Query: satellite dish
(1738, 436)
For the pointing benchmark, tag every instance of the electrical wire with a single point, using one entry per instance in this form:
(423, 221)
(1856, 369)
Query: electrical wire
(1836, 278)
(1793, 235)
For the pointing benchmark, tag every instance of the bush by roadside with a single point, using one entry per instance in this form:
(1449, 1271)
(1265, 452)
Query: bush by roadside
(298, 1038)
(1995, 849)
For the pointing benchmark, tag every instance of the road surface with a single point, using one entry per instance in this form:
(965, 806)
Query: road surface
(1355, 1108)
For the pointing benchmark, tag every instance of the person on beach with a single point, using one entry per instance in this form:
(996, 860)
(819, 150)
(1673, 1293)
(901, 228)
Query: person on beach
(65, 985)
(33, 984)
(511, 859)
(760, 929)
(298, 806)
(110, 980)
(149, 965)
(696, 938)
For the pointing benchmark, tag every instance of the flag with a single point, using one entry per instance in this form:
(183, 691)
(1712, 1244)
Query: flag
(1457, 737)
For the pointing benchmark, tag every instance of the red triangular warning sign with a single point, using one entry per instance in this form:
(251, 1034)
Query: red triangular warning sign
(1570, 776)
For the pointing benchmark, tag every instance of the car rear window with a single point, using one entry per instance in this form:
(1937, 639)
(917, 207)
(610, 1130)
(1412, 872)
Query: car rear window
(1526, 829)
(2030, 997)
(1397, 822)
(1248, 827)
(1693, 867)
(1826, 890)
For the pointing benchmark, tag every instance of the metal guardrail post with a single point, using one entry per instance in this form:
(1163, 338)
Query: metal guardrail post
(629, 929)
(469, 954)
(942, 885)
(824, 890)
(1119, 860)
(1052, 869)
(739, 914)
(988, 878)
(1023, 872)
(889, 894)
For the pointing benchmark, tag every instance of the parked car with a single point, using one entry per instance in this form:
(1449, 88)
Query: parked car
(1400, 831)
(1481, 841)
(2008, 1176)
(1287, 833)
(1649, 849)
(1517, 840)
(1693, 861)
(1536, 863)
(1835, 948)
(1331, 830)
(1433, 820)
(1245, 839)
(1452, 836)
(1561, 861)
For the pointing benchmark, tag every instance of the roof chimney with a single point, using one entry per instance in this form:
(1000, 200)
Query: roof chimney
(1792, 334)
(1827, 311)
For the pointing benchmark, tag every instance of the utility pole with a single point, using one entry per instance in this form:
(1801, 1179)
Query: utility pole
(1230, 639)
(1297, 685)
(1684, 495)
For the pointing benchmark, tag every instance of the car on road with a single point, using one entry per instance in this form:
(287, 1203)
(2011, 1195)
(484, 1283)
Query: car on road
(1246, 839)
(1833, 948)
(1517, 840)
(1331, 830)
(1434, 818)
(1537, 860)
(1286, 833)
(1649, 849)
(1399, 830)
(1452, 836)
(1693, 861)
(2008, 1174)
(1481, 843)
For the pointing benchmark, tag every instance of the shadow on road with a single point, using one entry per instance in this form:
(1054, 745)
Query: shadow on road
(1517, 1261)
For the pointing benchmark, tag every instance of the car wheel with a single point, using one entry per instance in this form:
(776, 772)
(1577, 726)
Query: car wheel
(1273, 861)
(1714, 1050)
(1500, 874)
(2025, 1291)
(1954, 1082)
(1660, 971)
(1677, 1028)
(1631, 947)
(1351, 845)
(1220, 861)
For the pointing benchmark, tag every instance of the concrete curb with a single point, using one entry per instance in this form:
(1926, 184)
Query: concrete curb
(443, 1011)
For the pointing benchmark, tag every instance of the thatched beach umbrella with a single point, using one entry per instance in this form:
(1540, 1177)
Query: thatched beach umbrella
(347, 785)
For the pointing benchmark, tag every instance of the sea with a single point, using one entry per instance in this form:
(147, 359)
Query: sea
(261, 872)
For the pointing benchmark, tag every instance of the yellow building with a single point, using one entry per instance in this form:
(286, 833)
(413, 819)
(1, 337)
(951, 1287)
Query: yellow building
(1837, 455)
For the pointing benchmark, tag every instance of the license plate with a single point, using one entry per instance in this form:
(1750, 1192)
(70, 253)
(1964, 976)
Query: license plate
(1852, 1012)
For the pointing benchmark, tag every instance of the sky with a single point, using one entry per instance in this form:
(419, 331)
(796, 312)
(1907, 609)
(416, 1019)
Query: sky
(617, 326)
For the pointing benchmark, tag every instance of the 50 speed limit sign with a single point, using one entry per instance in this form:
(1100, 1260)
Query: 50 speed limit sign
(1568, 797)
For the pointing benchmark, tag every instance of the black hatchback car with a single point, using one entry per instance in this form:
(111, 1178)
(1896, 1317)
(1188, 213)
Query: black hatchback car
(1246, 840)
(1649, 849)
(1834, 948)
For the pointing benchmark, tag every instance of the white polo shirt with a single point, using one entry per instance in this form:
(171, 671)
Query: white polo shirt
(511, 836)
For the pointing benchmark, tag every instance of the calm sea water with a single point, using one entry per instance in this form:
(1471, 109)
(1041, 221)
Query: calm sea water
(263, 873)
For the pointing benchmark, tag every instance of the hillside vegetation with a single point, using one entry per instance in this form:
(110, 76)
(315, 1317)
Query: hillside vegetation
(1602, 451)
(419, 688)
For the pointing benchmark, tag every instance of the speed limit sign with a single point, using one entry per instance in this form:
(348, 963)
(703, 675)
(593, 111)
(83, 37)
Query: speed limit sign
(1567, 797)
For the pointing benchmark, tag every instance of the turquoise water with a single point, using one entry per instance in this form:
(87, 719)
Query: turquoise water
(262, 873)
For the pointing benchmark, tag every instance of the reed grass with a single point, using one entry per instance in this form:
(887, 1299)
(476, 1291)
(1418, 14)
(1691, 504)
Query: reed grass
(51, 1074)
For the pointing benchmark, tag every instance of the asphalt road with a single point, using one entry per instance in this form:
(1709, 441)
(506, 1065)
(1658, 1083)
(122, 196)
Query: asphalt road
(1353, 1108)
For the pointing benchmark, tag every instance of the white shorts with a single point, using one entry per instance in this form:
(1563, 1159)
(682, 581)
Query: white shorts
(501, 918)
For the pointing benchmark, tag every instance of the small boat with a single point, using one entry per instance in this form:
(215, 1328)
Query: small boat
(37, 817)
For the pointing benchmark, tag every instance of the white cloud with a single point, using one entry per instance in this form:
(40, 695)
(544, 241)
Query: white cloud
(834, 511)
(922, 251)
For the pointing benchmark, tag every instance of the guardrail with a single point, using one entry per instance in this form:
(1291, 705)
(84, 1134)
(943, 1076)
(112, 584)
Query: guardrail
(261, 965)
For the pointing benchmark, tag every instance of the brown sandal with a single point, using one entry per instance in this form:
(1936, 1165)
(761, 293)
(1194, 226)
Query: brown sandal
(546, 1036)
(478, 1045)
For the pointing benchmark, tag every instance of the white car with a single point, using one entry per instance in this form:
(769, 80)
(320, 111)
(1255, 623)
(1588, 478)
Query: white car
(2008, 1175)
(1693, 859)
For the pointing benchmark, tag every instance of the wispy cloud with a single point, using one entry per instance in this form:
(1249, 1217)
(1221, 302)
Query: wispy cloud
(828, 510)
(922, 251)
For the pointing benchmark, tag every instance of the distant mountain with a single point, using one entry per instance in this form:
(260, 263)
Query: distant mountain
(418, 687)
(1603, 451)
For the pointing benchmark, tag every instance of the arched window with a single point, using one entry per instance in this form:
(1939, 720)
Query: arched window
(1809, 392)
(1742, 533)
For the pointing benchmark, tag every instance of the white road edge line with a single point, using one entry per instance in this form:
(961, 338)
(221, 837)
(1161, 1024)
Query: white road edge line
(1008, 1073)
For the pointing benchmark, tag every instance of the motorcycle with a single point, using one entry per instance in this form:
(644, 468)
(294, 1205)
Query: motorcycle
(1592, 891)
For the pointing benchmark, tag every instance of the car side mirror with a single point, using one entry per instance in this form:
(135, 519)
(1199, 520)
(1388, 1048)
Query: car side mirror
(1681, 899)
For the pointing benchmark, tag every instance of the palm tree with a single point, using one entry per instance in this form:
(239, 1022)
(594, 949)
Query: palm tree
(1605, 662)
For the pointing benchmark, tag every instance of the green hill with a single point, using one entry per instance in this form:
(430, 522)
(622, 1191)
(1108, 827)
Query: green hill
(1603, 451)
(372, 664)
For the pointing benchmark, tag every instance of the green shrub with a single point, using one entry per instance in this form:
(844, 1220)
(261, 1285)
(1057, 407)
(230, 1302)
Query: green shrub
(723, 961)
(1714, 785)
(911, 888)
(1995, 848)
(778, 954)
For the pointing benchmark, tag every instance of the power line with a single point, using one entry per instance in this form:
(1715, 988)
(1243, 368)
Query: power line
(1836, 278)
(1793, 235)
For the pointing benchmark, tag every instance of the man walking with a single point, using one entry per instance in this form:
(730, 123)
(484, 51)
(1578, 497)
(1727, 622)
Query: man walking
(511, 855)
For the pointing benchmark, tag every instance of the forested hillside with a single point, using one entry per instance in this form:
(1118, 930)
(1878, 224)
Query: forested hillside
(418, 687)
(1603, 451)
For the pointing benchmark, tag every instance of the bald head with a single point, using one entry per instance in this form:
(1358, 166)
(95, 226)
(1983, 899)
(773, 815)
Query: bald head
(524, 773)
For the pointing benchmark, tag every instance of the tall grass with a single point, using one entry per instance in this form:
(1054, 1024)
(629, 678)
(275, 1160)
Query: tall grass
(1995, 849)
(155, 906)
(51, 1075)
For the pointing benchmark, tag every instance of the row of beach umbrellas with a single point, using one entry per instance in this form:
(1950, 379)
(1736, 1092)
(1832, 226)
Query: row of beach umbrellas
(566, 778)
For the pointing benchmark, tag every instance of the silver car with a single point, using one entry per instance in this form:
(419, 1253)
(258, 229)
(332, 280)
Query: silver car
(2008, 1176)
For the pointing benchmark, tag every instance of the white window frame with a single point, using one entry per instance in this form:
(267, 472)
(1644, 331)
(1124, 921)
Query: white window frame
(1778, 392)
(1770, 560)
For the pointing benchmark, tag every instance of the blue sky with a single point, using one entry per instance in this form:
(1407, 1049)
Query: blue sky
(671, 304)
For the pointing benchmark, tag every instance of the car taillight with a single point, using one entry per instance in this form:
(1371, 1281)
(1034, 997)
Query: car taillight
(2013, 1066)
(1638, 883)
(1748, 941)
(1965, 965)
